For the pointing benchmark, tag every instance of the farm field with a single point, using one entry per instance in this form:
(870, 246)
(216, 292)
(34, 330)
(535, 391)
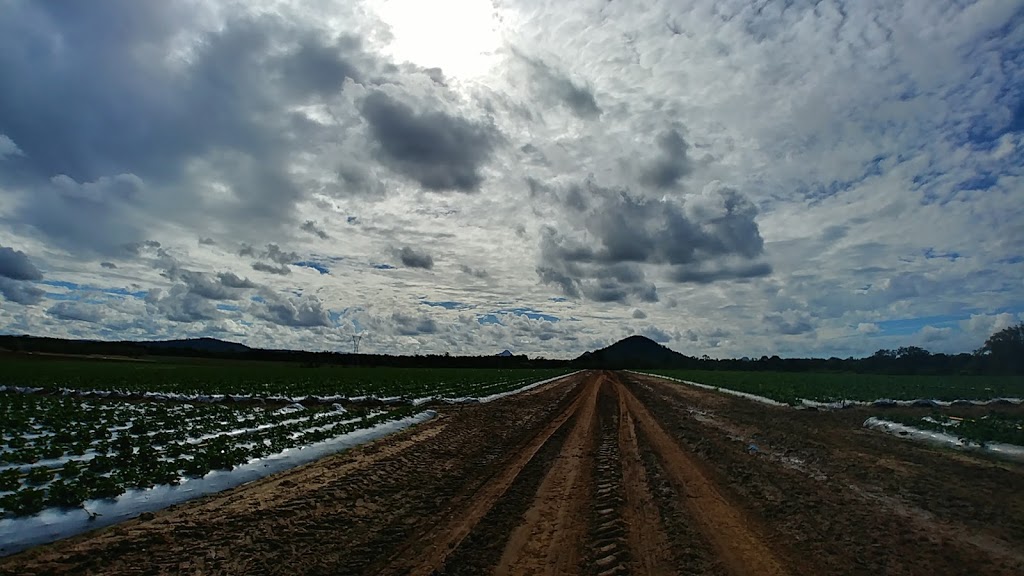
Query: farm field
(979, 429)
(598, 473)
(266, 380)
(75, 432)
(792, 387)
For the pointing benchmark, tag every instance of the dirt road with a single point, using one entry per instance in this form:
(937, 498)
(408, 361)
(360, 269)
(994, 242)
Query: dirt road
(599, 474)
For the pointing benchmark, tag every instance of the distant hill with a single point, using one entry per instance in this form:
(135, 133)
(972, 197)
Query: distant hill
(201, 344)
(214, 348)
(635, 352)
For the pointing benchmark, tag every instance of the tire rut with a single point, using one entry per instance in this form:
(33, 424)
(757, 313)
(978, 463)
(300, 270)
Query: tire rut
(609, 546)
(651, 552)
(841, 500)
(549, 540)
(429, 552)
(739, 546)
(481, 550)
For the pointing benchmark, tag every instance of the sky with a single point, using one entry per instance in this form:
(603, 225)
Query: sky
(730, 178)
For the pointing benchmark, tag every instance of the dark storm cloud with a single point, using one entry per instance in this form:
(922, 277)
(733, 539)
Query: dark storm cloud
(232, 280)
(611, 234)
(151, 124)
(639, 314)
(14, 264)
(834, 233)
(206, 286)
(320, 68)
(568, 284)
(671, 164)
(311, 227)
(207, 242)
(77, 311)
(280, 269)
(714, 272)
(789, 324)
(302, 312)
(279, 259)
(275, 254)
(100, 216)
(179, 304)
(413, 325)
(16, 273)
(656, 334)
(108, 265)
(439, 151)
(557, 86)
(475, 272)
(137, 248)
(20, 292)
(415, 259)
(610, 290)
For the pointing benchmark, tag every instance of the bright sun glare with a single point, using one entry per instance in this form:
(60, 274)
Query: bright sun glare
(459, 36)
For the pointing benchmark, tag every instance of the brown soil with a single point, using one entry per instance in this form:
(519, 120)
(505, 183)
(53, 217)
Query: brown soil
(597, 474)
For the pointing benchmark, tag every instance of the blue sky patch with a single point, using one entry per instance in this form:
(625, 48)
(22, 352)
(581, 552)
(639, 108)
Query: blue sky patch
(494, 317)
(314, 265)
(531, 314)
(933, 254)
(447, 304)
(906, 326)
(74, 287)
(982, 181)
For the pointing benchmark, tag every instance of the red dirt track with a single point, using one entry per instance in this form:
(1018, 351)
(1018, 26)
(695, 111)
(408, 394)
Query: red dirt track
(601, 473)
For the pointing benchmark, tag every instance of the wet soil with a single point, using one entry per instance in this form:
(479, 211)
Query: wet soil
(601, 473)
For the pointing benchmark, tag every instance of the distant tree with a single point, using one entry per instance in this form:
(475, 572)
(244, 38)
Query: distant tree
(914, 352)
(1005, 349)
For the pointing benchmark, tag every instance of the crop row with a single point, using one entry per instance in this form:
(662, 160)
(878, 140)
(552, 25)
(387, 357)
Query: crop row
(994, 427)
(792, 387)
(263, 379)
(61, 452)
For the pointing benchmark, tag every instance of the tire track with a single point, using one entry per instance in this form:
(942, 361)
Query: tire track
(651, 551)
(550, 539)
(431, 550)
(739, 547)
(843, 500)
(481, 550)
(609, 546)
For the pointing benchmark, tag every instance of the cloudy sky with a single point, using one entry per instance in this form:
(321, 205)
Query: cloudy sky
(729, 178)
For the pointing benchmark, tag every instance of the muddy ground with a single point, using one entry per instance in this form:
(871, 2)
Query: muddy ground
(599, 474)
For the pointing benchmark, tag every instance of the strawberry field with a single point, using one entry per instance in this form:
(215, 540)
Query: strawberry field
(77, 431)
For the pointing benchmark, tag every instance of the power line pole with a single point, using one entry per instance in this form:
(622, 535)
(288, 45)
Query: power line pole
(355, 343)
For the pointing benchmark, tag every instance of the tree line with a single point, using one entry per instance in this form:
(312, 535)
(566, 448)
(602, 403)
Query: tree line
(1002, 353)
